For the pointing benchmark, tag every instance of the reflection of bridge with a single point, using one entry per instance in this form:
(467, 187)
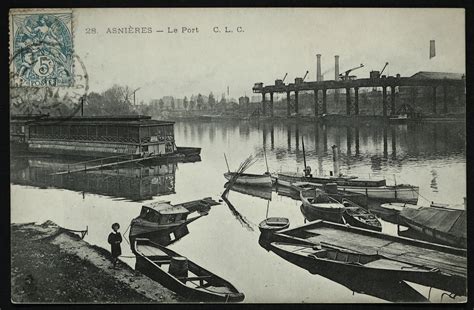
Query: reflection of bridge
(384, 82)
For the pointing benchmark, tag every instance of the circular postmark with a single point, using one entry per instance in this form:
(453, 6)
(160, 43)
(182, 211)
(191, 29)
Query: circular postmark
(49, 99)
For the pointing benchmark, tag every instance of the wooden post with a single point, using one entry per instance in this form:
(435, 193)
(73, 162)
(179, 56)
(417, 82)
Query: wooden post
(271, 104)
(296, 102)
(392, 100)
(356, 100)
(348, 101)
(316, 106)
(384, 101)
(264, 108)
(325, 111)
(288, 102)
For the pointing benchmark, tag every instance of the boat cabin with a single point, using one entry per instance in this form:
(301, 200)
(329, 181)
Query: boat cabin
(162, 212)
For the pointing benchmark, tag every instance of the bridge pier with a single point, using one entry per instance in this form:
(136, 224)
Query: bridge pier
(445, 99)
(271, 104)
(384, 101)
(392, 100)
(264, 105)
(434, 100)
(325, 110)
(288, 103)
(316, 107)
(296, 102)
(348, 101)
(356, 100)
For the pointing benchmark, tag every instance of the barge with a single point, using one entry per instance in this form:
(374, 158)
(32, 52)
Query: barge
(96, 136)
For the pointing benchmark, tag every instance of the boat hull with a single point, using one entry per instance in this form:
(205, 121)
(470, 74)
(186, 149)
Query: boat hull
(313, 213)
(154, 271)
(315, 265)
(248, 179)
(402, 193)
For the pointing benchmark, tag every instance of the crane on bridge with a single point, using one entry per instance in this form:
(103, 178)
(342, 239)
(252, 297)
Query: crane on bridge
(346, 75)
(378, 74)
(281, 82)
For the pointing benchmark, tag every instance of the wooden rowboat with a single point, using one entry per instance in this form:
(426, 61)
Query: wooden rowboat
(355, 215)
(273, 224)
(321, 207)
(350, 262)
(250, 179)
(451, 262)
(182, 275)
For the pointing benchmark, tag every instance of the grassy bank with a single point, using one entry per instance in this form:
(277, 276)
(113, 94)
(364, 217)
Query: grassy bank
(49, 264)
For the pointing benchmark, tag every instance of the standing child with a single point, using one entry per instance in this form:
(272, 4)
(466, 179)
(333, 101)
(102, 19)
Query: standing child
(115, 238)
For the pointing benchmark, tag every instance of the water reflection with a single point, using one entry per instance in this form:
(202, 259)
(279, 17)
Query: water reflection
(137, 182)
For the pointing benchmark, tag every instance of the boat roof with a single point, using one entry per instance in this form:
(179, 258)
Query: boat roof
(165, 207)
(447, 220)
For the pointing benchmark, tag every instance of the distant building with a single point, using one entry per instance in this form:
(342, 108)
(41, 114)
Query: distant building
(244, 101)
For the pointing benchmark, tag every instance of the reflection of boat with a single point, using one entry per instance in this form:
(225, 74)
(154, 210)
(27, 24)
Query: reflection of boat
(321, 206)
(360, 217)
(182, 275)
(441, 224)
(450, 262)
(385, 288)
(372, 188)
(250, 179)
(134, 182)
(164, 238)
(163, 216)
(263, 192)
(188, 151)
(273, 224)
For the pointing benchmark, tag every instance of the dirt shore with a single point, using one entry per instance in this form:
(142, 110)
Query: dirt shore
(51, 265)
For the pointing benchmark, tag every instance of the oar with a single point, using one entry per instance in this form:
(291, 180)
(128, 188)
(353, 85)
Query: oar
(227, 163)
(266, 162)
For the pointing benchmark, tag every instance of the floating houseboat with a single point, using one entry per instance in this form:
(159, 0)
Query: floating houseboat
(100, 136)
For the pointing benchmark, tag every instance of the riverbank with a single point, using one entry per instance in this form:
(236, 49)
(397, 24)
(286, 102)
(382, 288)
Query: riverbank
(51, 265)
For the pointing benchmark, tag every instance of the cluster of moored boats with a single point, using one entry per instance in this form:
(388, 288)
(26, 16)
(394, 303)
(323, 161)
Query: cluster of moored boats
(343, 234)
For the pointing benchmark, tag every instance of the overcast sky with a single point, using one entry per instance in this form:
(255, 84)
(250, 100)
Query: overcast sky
(274, 41)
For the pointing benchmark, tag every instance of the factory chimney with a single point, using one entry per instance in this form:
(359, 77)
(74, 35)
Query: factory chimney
(336, 68)
(318, 67)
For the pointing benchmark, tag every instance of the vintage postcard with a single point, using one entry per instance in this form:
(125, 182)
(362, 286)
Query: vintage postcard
(250, 155)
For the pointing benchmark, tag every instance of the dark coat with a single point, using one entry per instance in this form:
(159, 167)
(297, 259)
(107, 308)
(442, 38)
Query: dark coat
(115, 239)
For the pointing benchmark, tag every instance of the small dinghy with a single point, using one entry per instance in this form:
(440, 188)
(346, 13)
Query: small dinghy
(321, 206)
(273, 224)
(357, 216)
(182, 275)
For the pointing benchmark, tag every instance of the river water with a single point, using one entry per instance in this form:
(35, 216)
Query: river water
(429, 155)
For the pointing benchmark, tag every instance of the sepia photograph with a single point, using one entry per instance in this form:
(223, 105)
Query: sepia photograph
(237, 155)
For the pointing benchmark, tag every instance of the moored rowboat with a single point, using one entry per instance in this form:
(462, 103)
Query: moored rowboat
(182, 275)
(328, 257)
(273, 224)
(321, 207)
(355, 215)
(250, 179)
